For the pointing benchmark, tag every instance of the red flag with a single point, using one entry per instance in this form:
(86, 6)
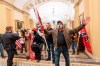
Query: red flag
(37, 15)
(39, 19)
(32, 54)
(83, 33)
(40, 25)
(18, 44)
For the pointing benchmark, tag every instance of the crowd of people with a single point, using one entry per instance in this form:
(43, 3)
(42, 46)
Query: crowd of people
(56, 41)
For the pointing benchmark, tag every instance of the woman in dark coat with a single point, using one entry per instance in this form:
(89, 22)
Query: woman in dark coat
(37, 44)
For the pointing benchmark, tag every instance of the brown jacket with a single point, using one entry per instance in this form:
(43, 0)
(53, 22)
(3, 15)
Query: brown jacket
(67, 34)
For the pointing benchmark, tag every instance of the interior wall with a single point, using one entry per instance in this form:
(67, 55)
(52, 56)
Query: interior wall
(18, 15)
(92, 9)
(9, 15)
(76, 21)
(81, 7)
(2, 18)
(95, 28)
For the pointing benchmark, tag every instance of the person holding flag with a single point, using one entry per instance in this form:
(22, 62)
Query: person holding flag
(62, 40)
(37, 44)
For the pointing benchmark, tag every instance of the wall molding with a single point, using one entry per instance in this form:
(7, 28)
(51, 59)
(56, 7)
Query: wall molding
(78, 3)
(13, 7)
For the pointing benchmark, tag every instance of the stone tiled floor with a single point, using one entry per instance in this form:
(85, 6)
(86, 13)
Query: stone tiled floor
(82, 57)
(24, 62)
(76, 60)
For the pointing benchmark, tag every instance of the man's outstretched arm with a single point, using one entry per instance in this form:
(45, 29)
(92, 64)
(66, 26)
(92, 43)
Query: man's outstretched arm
(77, 29)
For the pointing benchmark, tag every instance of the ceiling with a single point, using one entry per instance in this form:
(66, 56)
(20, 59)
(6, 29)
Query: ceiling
(26, 5)
(45, 8)
(56, 11)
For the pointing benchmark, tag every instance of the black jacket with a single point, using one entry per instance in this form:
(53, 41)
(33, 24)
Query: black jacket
(49, 36)
(8, 40)
(38, 39)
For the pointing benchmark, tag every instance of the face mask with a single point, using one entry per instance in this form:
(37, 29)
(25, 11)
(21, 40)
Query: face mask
(59, 26)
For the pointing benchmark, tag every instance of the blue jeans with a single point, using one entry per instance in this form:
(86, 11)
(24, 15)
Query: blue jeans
(64, 51)
(51, 51)
(73, 46)
(1, 50)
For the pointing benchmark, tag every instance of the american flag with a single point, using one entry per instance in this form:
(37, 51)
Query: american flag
(18, 44)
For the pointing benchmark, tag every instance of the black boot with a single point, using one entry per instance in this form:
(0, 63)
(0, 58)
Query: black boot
(27, 57)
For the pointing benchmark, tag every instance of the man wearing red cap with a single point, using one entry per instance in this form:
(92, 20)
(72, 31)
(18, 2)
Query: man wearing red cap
(34, 29)
(37, 42)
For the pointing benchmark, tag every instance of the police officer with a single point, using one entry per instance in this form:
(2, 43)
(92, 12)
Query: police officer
(8, 40)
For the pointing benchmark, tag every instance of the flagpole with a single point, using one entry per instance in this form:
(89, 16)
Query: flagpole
(39, 20)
